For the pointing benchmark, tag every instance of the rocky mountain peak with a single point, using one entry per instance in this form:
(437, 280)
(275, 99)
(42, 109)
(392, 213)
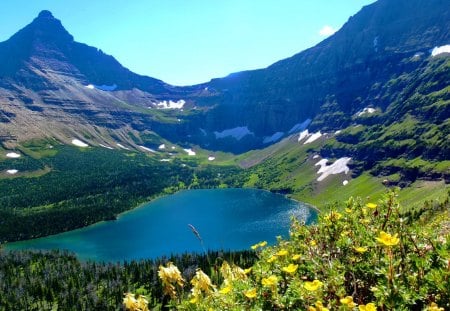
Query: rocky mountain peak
(47, 28)
(45, 14)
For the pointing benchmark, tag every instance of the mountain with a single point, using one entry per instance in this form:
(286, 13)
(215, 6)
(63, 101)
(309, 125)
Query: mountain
(338, 77)
(52, 86)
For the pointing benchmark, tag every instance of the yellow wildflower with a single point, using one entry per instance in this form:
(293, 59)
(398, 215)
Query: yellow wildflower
(270, 281)
(434, 307)
(318, 307)
(248, 270)
(388, 240)
(291, 268)
(251, 293)
(262, 244)
(232, 273)
(201, 283)
(360, 249)
(333, 216)
(258, 245)
(169, 276)
(142, 303)
(313, 286)
(313, 243)
(348, 210)
(345, 233)
(368, 307)
(296, 257)
(272, 259)
(282, 252)
(194, 300)
(130, 302)
(348, 301)
(226, 290)
(371, 205)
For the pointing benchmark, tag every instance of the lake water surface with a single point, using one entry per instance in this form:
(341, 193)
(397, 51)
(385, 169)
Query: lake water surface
(230, 219)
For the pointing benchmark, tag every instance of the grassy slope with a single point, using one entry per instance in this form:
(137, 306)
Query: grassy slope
(289, 167)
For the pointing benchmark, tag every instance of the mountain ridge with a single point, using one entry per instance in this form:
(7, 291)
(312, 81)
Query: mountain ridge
(327, 83)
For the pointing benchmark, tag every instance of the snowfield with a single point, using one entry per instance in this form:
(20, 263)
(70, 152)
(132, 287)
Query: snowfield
(79, 143)
(339, 166)
(190, 152)
(366, 110)
(102, 87)
(313, 137)
(13, 155)
(237, 133)
(107, 147)
(303, 135)
(12, 172)
(440, 50)
(122, 146)
(171, 104)
(147, 149)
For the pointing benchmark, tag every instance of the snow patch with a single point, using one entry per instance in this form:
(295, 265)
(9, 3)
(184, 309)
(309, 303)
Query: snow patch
(190, 152)
(237, 133)
(315, 156)
(300, 126)
(303, 135)
(107, 147)
(162, 147)
(164, 160)
(211, 158)
(147, 149)
(440, 50)
(345, 182)
(12, 172)
(339, 166)
(79, 143)
(173, 147)
(367, 110)
(102, 87)
(122, 146)
(337, 132)
(418, 55)
(13, 155)
(313, 137)
(171, 104)
(275, 137)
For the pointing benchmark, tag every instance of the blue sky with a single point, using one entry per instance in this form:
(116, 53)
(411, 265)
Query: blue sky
(185, 42)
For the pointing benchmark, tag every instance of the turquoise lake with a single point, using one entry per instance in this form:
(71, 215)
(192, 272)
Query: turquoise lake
(229, 219)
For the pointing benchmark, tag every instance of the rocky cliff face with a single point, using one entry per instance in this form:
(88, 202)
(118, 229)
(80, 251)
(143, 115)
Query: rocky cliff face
(336, 75)
(51, 85)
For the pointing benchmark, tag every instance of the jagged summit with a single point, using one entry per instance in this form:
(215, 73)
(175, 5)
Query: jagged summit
(45, 14)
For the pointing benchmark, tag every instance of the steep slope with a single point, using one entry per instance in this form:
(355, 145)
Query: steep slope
(331, 81)
(52, 86)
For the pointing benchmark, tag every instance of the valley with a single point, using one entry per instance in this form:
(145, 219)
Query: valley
(357, 126)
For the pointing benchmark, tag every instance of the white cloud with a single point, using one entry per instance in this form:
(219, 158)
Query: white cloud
(327, 31)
